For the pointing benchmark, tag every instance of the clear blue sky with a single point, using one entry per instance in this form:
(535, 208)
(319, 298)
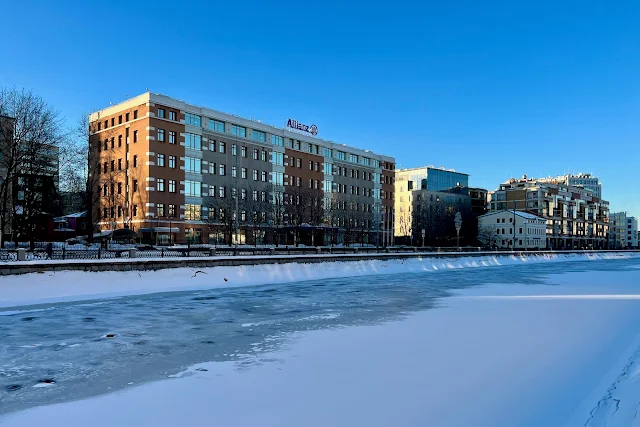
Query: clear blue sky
(493, 89)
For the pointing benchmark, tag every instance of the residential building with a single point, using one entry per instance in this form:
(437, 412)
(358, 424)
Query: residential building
(583, 180)
(175, 171)
(29, 179)
(427, 198)
(575, 217)
(632, 232)
(623, 231)
(479, 198)
(500, 229)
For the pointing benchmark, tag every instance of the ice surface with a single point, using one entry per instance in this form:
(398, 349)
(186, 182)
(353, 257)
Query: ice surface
(542, 344)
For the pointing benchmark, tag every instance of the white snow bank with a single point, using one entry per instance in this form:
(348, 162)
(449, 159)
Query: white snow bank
(62, 286)
(475, 361)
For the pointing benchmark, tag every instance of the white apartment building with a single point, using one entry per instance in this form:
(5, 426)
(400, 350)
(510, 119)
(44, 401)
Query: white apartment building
(500, 228)
(623, 231)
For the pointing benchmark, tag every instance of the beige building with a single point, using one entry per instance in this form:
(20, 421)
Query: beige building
(575, 217)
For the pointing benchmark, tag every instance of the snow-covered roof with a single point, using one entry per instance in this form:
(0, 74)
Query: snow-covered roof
(521, 214)
(77, 215)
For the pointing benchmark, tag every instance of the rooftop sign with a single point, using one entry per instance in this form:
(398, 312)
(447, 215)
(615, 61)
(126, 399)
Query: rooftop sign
(294, 124)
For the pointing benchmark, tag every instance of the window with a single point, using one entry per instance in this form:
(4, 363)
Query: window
(135, 207)
(172, 186)
(222, 170)
(192, 165)
(105, 167)
(299, 163)
(135, 114)
(222, 192)
(212, 168)
(212, 191)
(327, 152)
(172, 211)
(161, 113)
(113, 165)
(192, 188)
(160, 209)
(160, 160)
(119, 188)
(263, 156)
(120, 119)
(256, 135)
(105, 190)
(244, 173)
(243, 152)
(310, 165)
(119, 164)
(255, 154)
(126, 117)
(160, 184)
(254, 195)
(234, 150)
(192, 119)
(222, 147)
(172, 115)
(192, 141)
(172, 162)
(135, 136)
(263, 196)
(298, 181)
(263, 176)
(238, 131)
(277, 158)
(160, 135)
(192, 212)
(172, 137)
(317, 166)
(216, 125)
(277, 140)
(234, 172)
(119, 211)
(255, 175)
(113, 121)
(135, 185)
(243, 216)
(341, 155)
(243, 194)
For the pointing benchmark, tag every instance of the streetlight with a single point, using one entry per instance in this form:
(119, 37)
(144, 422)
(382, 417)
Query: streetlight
(458, 223)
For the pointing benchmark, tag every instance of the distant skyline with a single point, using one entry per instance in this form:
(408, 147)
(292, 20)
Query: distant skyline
(492, 89)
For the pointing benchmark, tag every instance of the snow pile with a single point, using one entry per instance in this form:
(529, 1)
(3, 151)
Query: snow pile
(51, 287)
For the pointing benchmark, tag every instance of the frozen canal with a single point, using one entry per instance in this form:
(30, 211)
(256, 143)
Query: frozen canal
(470, 329)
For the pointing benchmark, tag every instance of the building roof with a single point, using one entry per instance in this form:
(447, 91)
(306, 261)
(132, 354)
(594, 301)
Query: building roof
(424, 168)
(77, 215)
(521, 214)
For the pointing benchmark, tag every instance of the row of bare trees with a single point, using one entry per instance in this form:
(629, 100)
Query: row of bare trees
(273, 209)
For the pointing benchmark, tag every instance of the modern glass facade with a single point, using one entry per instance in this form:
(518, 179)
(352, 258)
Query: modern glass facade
(446, 181)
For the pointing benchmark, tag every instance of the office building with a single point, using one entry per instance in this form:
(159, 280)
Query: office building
(427, 198)
(575, 217)
(174, 171)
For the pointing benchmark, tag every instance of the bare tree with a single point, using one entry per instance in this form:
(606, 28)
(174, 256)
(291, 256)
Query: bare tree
(405, 222)
(222, 215)
(30, 136)
(258, 208)
(488, 236)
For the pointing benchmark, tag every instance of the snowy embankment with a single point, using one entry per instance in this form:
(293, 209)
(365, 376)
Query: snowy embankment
(64, 286)
(562, 353)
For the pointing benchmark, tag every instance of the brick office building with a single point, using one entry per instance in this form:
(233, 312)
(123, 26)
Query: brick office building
(174, 172)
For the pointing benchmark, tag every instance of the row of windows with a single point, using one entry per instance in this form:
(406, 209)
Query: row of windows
(260, 136)
(105, 145)
(118, 185)
(162, 114)
(118, 165)
(118, 212)
(113, 120)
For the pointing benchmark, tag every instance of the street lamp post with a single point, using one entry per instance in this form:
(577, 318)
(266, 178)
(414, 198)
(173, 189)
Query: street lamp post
(514, 226)
(458, 223)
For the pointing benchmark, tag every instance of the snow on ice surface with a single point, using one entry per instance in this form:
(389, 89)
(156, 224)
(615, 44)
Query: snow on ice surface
(53, 287)
(494, 355)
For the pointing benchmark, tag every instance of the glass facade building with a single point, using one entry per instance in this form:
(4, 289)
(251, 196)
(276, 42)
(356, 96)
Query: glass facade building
(446, 181)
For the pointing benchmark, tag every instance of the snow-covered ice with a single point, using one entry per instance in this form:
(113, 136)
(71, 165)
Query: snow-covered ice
(524, 344)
